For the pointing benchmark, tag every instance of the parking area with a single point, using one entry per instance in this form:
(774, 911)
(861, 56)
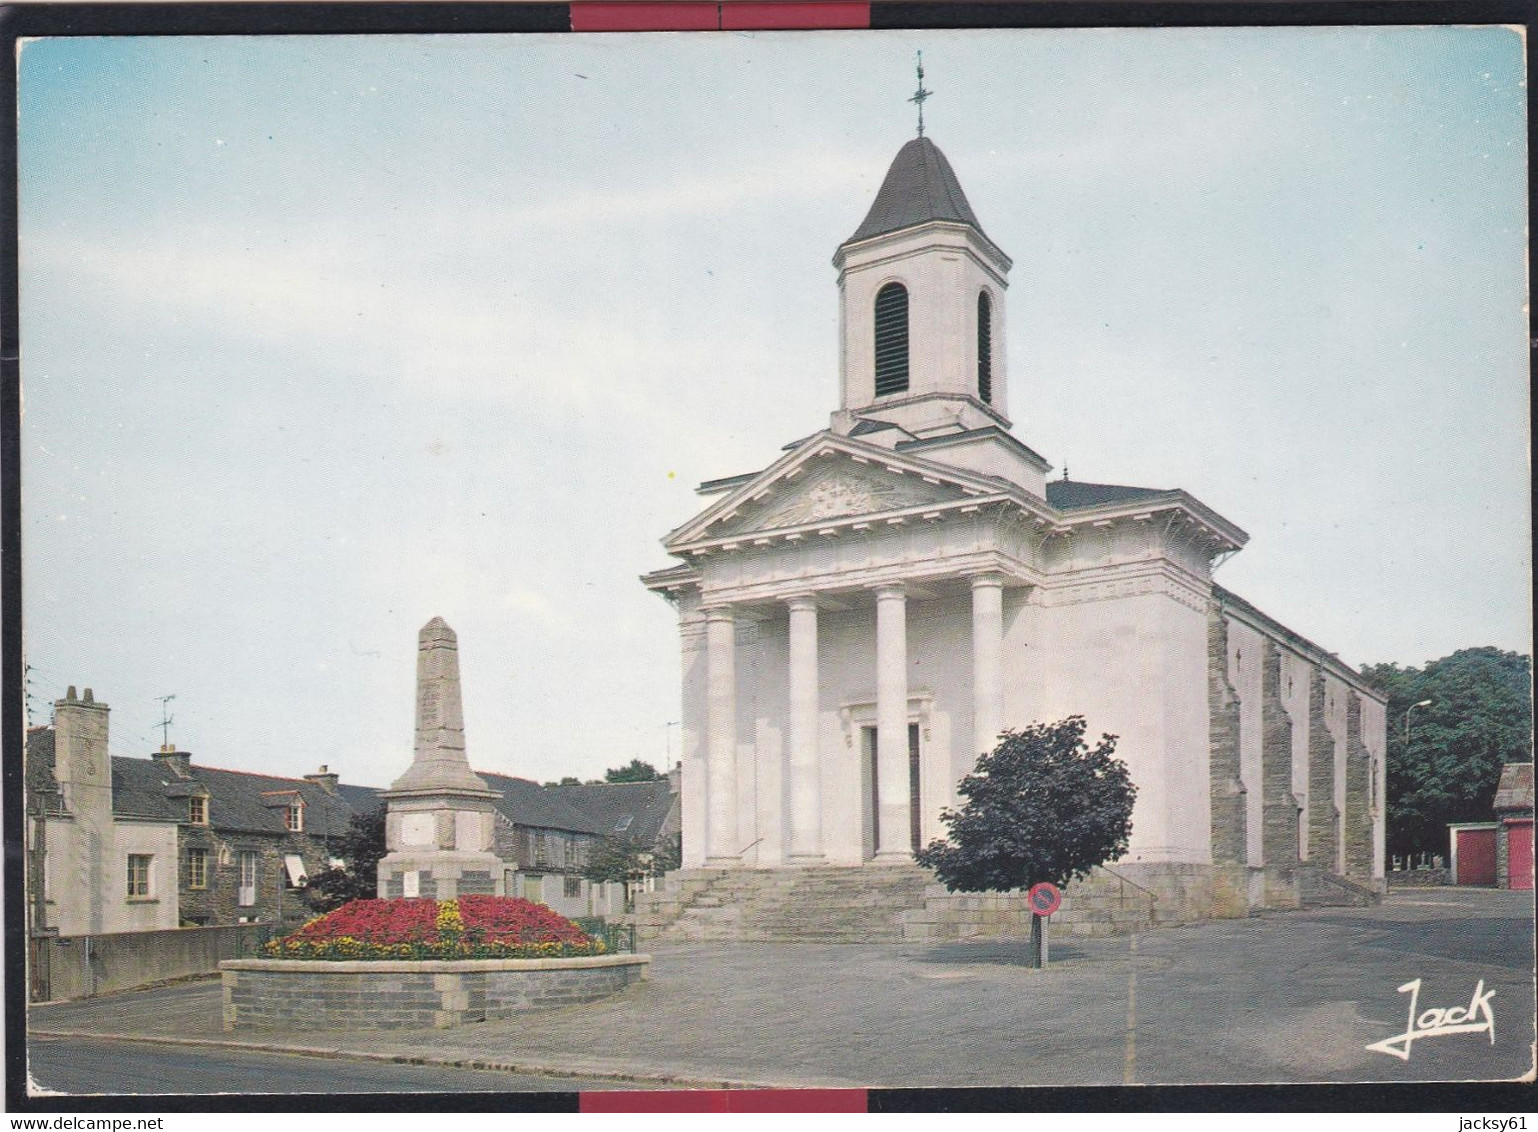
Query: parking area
(1280, 998)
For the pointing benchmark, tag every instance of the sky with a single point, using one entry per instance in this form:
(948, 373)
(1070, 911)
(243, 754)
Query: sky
(323, 337)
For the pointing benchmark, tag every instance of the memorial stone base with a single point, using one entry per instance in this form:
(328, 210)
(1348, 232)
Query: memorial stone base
(294, 994)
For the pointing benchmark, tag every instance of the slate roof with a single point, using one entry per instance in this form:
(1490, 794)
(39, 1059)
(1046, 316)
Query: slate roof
(527, 803)
(237, 800)
(1067, 495)
(607, 804)
(39, 767)
(1515, 791)
(919, 187)
(361, 798)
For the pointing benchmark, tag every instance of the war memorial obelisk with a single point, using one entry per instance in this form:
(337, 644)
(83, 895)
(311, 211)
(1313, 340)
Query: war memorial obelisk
(438, 822)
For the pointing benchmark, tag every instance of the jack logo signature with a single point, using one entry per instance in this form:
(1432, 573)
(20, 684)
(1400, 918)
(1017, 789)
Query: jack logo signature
(1437, 1022)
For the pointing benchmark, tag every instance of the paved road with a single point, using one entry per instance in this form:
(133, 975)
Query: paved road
(68, 1065)
(1285, 998)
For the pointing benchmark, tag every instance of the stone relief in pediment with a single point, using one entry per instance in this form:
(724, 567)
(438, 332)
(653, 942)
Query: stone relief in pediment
(839, 493)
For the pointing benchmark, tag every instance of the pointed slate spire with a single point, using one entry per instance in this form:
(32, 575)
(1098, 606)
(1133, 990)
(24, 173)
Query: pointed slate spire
(919, 187)
(439, 760)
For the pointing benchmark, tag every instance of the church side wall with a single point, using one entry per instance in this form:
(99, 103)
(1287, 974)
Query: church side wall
(1136, 666)
(1374, 735)
(1337, 750)
(1246, 649)
(1335, 692)
(1297, 675)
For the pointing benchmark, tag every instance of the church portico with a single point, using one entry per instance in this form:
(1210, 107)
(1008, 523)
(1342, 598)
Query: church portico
(857, 702)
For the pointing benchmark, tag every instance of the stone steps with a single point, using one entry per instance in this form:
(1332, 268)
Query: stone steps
(1319, 889)
(825, 904)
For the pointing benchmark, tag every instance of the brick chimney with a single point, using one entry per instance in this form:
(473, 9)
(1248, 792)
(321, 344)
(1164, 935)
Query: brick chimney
(325, 779)
(177, 762)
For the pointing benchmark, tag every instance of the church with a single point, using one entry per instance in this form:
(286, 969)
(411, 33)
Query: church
(862, 618)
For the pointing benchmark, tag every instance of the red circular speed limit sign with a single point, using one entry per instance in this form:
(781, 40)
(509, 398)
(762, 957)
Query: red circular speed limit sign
(1044, 898)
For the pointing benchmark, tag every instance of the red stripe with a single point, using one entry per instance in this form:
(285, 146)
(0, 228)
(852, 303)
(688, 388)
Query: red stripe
(752, 15)
(728, 1100)
(644, 15)
(731, 15)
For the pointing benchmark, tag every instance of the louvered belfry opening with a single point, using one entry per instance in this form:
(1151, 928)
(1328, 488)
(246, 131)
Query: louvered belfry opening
(891, 339)
(985, 347)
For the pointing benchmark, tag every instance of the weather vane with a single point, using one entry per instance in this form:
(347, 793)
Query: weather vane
(921, 94)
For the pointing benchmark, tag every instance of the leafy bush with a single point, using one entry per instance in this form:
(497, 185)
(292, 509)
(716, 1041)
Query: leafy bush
(471, 927)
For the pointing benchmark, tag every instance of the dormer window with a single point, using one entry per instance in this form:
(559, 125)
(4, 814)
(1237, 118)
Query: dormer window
(197, 809)
(985, 347)
(293, 816)
(891, 340)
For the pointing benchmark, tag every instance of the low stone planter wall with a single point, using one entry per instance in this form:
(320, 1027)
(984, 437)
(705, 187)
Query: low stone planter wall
(313, 994)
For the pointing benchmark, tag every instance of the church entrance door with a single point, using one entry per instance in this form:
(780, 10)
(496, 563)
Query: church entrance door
(872, 792)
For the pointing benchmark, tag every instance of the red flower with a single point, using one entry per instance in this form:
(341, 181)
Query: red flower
(487, 919)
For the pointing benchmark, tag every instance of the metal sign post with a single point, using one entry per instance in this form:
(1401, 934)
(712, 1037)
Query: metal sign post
(1044, 899)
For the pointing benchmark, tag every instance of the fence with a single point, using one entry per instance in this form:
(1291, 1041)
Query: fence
(85, 965)
(616, 937)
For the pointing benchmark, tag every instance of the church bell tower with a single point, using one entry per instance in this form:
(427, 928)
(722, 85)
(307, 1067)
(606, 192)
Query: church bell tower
(921, 306)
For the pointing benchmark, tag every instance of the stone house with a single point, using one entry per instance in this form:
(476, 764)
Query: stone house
(136, 844)
(544, 834)
(99, 861)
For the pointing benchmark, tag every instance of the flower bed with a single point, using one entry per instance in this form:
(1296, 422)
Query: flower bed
(471, 927)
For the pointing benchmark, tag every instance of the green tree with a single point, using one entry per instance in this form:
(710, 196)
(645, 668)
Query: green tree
(569, 780)
(360, 848)
(1042, 806)
(618, 858)
(1479, 718)
(635, 771)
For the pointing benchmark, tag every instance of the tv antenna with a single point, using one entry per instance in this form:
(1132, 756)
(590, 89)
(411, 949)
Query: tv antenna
(165, 721)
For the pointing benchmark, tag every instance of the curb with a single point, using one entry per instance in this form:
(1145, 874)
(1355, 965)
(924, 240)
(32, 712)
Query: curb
(490, 1065)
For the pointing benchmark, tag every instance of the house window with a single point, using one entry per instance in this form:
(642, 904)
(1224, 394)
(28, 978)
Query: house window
(624, 823)
(197, 810)
(247, 879)
(985, 347)
(138, 875)
(293, 869)
(891, 339)
(197, 868)
(571, 887)
(293, 817)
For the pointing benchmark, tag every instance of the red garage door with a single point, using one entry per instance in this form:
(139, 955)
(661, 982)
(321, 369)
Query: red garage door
(1475, 856)
(1519, 849)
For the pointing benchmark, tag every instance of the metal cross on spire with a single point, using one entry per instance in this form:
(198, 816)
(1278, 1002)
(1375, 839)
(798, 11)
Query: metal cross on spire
(921, 94)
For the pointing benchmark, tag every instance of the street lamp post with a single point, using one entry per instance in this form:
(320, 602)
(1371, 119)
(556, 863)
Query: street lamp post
(1412, 707)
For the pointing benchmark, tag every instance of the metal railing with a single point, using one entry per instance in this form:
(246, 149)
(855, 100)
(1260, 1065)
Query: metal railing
(616, 937)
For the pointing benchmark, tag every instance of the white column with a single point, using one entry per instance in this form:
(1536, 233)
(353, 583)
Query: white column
(805, 782)
(987, 661)
(721, 751)
(894, 842)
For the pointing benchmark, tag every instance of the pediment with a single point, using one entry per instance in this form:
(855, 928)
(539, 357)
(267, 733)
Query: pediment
(829, 480)
(840, 490)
